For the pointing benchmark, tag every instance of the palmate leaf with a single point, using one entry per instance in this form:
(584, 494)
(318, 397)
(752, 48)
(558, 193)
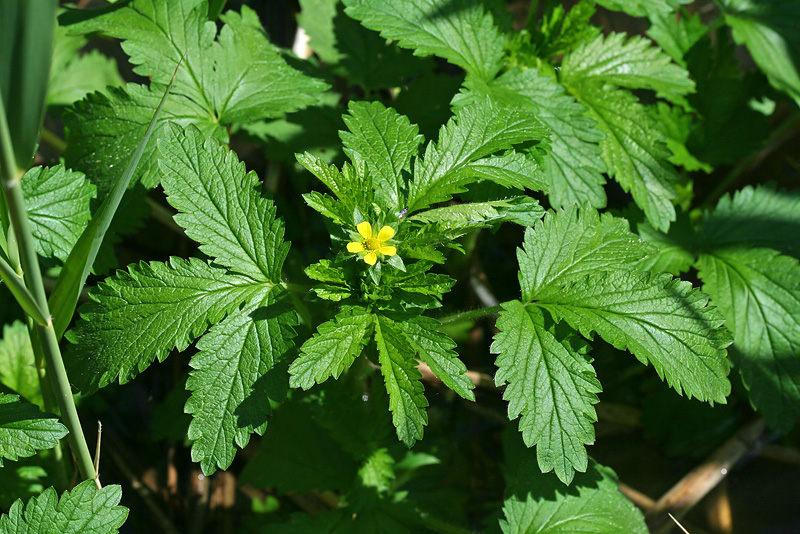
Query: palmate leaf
(240, 77)
(143, 313)
(386, 141)
(572, 242)
(240, 232)
(333, 348)
(659, 319)
(550, 383)
(239, 371)
(758, 290)
(57, 200)
(24, 429)
(459, 31)
(460, 155)
(572, 165)
(82, 510)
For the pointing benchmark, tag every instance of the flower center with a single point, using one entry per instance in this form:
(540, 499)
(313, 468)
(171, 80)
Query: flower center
(373, 243)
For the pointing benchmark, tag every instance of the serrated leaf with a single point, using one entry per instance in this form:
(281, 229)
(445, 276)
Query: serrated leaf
(436, 349)
(17, 363)
(386, 141)
(676, 35)
(572, 242)
(74, 75)
(220, 206)
(642, 8)
(540, 503)
(550, 384)
(524, 210)
(475, 132)
(758, 290)
(352, 187)
(459, 31)
(332, 349)
(675, 252)
(143, 313)
(398, 366)
(83, 510)
(240, 77)
(24, 429)
(573, 164)
(761, 216)
(771, 32)
(634, 64)
(659, 319)
(634, 149)
(57, 201)
(239, 371)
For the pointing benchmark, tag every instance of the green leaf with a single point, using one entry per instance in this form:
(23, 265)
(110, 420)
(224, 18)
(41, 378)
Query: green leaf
(386, 141)
(239, 372)
(573, 242)
(143, 313)
(459, 157)
(659, 319)
(352, 187)
(459, 31)
(332, 349)
(74, 75)
(240, 77)
(540, 503)
(17, 364)
(399, 369)
(634, 149)
(83, 510)
(550, 383)
(634, 64)
(436, 349)
(524, 210)
(642, 8)
(24, 429)
(761, 216)
(771, 32)
(675, 250)
(758, 290)
(57, 200)
(572, 164)
(676, 35)
(350, 50)
(220, 205)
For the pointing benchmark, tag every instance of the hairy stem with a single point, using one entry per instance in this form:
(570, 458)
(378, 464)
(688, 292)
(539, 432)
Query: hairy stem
(470, 315)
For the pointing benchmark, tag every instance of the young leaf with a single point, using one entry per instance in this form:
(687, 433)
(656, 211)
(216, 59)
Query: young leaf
(459, 31)
(550, 383)
(436, 349)
(386, 141)
(58, 208)
(569, 243)
(398, 366)
(573, 165)
(758, 290)
(332, 349)
(522, 210)
(771, 32)
(634, 64)
(239, 372)
(143, 313)
(761, 216)
(83, 510)
(220, 206)
(660, 319)
(476, 131)
(24, 429)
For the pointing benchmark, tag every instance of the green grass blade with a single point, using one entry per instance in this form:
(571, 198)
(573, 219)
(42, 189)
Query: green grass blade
(79, 263)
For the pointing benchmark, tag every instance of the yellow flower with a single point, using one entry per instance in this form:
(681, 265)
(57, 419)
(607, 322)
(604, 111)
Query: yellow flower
(371, 243)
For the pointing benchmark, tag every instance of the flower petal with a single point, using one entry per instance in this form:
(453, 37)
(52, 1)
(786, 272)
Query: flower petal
(365, 229)
(386, 233)
(371, 258)
(388, 251)
(355, 246)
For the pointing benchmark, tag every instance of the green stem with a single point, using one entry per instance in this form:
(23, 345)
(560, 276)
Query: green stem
(11, 178)
(437, 525)
(20, 292)
(470, 315)
(53, 141)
